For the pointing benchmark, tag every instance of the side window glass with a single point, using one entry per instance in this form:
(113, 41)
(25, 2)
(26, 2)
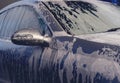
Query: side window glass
(18, 18)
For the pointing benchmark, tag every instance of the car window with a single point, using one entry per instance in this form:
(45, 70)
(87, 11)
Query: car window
(85, 17)
(18, 18)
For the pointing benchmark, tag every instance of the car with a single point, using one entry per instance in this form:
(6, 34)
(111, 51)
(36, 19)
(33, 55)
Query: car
(60, 42)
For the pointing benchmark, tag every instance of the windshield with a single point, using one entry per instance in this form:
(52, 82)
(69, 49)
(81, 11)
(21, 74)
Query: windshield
(85, 17)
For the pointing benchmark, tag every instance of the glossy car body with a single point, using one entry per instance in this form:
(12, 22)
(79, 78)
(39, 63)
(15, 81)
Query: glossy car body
(92, 58)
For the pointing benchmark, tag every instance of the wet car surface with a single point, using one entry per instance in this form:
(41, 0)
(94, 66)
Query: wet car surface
(70, 56)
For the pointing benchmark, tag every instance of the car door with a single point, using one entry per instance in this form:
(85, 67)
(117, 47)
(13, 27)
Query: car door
(18, 63)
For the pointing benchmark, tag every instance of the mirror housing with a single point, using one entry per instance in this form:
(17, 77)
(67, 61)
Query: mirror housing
(30, 37)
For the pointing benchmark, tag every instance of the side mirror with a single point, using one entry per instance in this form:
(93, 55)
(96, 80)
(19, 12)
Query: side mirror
(30, 37)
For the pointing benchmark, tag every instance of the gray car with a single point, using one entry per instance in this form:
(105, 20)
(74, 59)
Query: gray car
(60, 42)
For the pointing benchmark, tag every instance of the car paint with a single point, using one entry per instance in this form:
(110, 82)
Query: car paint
(69, 59)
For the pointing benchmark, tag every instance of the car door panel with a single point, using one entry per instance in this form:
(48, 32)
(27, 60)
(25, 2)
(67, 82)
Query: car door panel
(15, 60)
(85, 61)
(28, 64)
